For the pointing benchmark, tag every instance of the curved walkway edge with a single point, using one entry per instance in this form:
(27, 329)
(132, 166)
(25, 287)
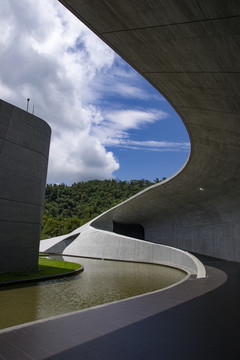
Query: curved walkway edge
(194, 320)
(42, 278)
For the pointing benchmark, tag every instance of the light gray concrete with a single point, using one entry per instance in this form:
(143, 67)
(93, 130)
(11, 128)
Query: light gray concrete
(24, 147)
(189, 51)
(95, 243)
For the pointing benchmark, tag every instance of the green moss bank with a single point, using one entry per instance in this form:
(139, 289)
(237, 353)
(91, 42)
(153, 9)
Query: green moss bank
(48, 268)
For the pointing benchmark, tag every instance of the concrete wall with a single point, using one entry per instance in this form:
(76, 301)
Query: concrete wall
(94, 243)
(189, 51)
(24, 147)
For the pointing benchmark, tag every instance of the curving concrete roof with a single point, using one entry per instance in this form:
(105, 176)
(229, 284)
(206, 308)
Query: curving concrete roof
(189, 51)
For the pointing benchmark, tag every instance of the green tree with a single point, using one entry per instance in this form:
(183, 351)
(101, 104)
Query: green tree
(68, 207)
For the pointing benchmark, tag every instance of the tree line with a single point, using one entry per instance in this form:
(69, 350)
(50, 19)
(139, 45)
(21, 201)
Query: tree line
(68, 207)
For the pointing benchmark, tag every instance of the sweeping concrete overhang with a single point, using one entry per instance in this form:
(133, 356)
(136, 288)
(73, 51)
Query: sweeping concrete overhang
(189, 51)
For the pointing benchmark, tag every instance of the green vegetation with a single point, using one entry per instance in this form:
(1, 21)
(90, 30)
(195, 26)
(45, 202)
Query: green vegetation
(68, 207)
(47, 267)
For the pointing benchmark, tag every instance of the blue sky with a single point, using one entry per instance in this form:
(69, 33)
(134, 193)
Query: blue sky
(106, 120)
(138, 161)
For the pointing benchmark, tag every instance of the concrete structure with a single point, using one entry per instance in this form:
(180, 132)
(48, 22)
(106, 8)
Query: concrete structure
(189, 51)
(95, 243)
(24, 147)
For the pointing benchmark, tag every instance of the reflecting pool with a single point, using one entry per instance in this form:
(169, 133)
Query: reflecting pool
(102, 281)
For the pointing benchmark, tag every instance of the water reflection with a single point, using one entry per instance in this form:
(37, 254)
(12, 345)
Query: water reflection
(18, 305)
(102, 281)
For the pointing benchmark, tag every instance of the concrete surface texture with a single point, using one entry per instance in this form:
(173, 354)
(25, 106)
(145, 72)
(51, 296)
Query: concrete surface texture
(189, 51)
(95, 243)
(24, 147)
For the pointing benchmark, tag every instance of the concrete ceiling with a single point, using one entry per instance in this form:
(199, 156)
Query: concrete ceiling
(189, 51)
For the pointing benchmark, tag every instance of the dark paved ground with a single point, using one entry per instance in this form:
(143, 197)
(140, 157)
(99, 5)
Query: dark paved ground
(198, 319)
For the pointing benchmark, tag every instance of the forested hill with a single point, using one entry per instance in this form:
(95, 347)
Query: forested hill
(68, 207)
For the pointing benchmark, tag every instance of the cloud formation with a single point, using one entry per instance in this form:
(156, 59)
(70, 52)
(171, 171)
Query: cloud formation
(68, 73)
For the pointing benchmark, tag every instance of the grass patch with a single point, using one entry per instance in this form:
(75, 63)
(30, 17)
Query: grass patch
(47, 267)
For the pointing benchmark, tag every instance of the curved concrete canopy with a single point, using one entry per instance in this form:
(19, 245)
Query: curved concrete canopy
(189, 51)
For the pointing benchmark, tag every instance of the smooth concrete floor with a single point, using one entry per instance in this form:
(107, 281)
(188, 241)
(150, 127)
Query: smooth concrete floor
(197, 319)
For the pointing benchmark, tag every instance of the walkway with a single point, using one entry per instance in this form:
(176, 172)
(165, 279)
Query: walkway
(198, 319)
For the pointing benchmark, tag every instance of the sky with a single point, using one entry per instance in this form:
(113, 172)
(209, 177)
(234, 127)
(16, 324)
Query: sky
(107, 121)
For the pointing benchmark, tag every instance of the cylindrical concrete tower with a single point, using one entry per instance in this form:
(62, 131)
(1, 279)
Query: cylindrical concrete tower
(24, 148)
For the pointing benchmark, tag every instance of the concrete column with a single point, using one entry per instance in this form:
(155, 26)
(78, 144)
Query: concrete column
(24, 148)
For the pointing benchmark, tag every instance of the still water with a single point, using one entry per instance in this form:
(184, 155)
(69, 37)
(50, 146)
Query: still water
(101, 281)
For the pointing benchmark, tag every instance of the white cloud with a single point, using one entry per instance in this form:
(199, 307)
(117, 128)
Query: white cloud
(50, 56)
(133, 119)
(126, 91)
(85, 159)
(113, 128)
(153, 145)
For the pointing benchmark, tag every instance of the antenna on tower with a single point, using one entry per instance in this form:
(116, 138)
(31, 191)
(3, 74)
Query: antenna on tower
(28, 99)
